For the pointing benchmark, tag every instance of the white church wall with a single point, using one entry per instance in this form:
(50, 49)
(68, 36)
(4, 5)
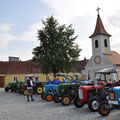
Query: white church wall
(96, 50)
(106, 49)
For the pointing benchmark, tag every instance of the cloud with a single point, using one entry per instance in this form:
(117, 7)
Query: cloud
(115, 41)
(114, 20)
(5, 36)
(70, 9)
(31, 33)
(114, 27)
(28, 35)
(4, 57)
(26, 56)
(5, 27)
(81, 13)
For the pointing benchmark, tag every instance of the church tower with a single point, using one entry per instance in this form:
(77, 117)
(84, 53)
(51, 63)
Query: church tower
(100, 48)
(100, 39)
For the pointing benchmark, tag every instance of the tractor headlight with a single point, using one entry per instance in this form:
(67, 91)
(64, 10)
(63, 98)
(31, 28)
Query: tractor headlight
(107, 97)
(80, 91)
(62, 90)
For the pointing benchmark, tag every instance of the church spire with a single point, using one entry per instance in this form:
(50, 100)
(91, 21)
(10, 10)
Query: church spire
(99, 29)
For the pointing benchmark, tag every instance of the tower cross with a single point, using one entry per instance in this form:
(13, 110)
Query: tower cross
(98, 10)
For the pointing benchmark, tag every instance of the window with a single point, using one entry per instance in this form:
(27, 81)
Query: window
(105, 43)
(15, 78)
(47, 78)
(96, 44)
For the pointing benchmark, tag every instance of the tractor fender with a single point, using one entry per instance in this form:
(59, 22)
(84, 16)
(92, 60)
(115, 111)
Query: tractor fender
(49, 93)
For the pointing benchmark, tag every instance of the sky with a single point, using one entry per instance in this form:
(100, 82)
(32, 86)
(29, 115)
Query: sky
(21, 19)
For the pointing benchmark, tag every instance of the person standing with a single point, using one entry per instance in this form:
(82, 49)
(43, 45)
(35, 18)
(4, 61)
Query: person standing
(30, 89)
(37, 80)
(64, 80)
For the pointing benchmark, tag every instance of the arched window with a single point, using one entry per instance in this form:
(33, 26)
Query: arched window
(105, 43)
(96, 44)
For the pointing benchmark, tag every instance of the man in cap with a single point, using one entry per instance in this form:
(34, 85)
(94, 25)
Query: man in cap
(30, 89)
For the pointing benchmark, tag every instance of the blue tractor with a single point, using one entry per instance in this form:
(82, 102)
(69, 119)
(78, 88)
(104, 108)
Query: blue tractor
(51, 88)
(49, 92)
(113, 101)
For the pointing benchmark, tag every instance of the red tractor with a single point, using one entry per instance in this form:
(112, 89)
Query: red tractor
(94, 94)
(37, 88)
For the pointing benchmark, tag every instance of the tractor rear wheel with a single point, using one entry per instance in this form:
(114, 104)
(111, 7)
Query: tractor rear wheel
(43, 96)
(102, 110)
(7, 89)
(93, 104)
(39, 90)
(49, 97)
(77, 102)
(56, 98)
(65, 100)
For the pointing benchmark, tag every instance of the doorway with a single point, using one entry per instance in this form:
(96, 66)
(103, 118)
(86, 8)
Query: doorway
(1, 81)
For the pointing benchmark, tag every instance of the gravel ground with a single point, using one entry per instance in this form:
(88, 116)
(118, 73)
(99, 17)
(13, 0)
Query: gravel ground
(15, 107)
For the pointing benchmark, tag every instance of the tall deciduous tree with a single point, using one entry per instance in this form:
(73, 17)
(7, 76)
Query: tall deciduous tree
(57, 51)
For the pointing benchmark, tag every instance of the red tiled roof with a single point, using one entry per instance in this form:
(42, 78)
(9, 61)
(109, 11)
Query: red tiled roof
(99, 29)
(28, 67)
(114, 57)
(18, 67)
(80, 65)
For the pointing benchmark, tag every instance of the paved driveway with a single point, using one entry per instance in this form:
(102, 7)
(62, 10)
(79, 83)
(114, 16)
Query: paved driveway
(15, 107)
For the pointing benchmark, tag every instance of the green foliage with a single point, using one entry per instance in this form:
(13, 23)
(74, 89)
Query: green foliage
(57, 51)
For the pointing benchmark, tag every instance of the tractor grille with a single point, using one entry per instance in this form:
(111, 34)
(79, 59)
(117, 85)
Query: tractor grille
(112, 95)
(80, 93)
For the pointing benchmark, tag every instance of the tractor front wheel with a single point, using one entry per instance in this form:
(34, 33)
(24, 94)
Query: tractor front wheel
(103, 109)
(7, 89)
(66, 100)
(49, 97)
(93, 104)
(25, 92)
(77, 102)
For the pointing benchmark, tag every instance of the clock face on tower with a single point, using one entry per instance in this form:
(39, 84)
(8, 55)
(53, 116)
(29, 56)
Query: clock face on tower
(97, 59)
